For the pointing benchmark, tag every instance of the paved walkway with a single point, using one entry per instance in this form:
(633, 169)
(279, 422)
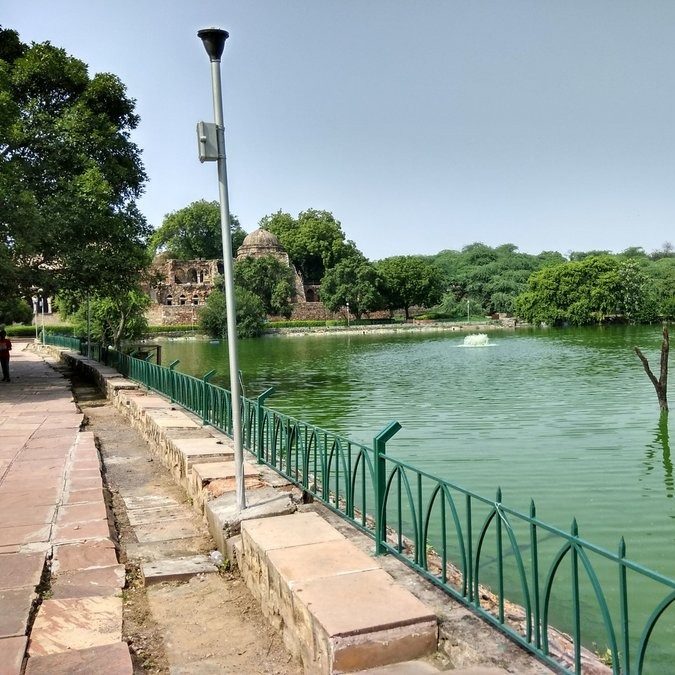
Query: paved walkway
(53, 518)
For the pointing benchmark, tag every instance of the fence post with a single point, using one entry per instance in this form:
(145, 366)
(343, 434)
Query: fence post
(205, 380)
(259, 403)
(379, 447)
(172, 379)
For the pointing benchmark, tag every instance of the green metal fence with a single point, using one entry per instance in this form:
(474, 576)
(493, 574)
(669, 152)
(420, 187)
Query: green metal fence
(522, 575)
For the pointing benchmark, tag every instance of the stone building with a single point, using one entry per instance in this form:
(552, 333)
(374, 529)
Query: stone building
(184, 285)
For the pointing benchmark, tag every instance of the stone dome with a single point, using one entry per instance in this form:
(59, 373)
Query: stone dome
(260, 242)
(262, 237)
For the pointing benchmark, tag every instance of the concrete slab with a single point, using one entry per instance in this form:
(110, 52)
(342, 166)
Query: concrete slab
(15, 608)
(298, 529)
(81, 556)
(12, 651)
(93, 581)
(21, 569)
(113, 659)
(224, 517)
(176, 569)
(206, 472)
(155, 514)
(159, 550)
(170, 529)
(76, 623)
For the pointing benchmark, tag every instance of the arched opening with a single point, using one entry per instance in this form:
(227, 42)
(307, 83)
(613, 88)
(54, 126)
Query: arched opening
(221, 269)
(169, 300)
(181, 300)
(178, 277)
(310, 295)
(195, 299)
(192, 276)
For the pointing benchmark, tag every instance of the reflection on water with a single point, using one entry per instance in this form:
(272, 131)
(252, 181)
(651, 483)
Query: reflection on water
(659, 451)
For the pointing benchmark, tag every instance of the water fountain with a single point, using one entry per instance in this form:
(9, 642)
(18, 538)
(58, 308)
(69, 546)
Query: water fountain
(476, 340)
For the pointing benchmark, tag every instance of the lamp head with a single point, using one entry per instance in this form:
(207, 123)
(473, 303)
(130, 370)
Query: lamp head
(214, 41)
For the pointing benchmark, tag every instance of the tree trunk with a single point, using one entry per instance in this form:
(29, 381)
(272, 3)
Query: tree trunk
(661, 385)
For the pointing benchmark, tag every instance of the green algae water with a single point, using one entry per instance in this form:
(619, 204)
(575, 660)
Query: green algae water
(566, 418)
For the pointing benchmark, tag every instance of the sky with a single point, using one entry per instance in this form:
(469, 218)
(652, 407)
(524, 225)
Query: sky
(421, 125)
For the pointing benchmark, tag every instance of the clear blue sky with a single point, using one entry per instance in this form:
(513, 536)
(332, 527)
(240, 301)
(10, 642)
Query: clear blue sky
(420, 125)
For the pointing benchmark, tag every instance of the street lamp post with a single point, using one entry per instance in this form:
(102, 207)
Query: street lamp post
(41, 301)
(468, 313)
(347, 314)
(214, 43)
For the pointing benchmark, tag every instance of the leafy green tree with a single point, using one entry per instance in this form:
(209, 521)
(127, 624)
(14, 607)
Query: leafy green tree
(114, 318)
(314, 241)
(270, 280)
(194, 232)
(69, 175)
(588, 291)
(15, 310)
(409, 280)
(352, 281)
(251, 315)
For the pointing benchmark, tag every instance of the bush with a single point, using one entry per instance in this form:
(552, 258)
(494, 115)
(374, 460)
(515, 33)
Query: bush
(175, 328)
(17, 330)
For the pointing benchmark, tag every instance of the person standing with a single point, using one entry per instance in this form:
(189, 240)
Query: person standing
(5, 348)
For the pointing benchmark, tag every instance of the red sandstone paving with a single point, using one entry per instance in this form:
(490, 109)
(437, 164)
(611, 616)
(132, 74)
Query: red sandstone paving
(35, 497)
(86, 583)
(20, 514)
(113, 659)
(77, 513)
(24, 534)
(21, 569)
(76, 623)
(76, 532)
(76, 482)
(12, 651)
(79, 496)
(15, 607)
(80, 556)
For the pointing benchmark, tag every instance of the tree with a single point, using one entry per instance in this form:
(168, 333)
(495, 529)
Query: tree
(114, 318)
(409, 280)
(250, 314)
(587, 291)
(314, 242)
(352, 281)
(660, 384)
(69, 175)
(194, 232)
(15, 310)
(270, 280)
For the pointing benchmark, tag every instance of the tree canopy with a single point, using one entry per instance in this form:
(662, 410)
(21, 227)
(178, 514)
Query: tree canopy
(69, 175)
(409, 280)
(589, 290)
(250, 313)
(194, 232)
(268, 279)
(314, 241)
(354, 282)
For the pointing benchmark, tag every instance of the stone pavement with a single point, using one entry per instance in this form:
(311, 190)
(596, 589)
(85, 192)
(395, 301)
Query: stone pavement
(60, 581)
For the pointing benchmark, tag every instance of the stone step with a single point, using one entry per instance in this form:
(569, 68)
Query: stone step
(337, 609)
(177, 569)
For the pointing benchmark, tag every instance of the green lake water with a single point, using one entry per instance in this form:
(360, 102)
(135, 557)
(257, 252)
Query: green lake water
(567, 418)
